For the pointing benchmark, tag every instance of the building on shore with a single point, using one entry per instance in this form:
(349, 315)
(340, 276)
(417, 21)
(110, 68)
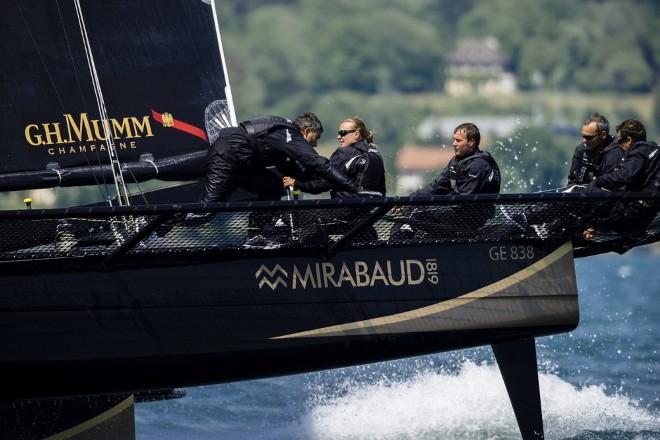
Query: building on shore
(478, 66)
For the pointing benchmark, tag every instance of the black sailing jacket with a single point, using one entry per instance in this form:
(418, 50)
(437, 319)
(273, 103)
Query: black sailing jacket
(477, 173)
(241, 153)
(588, 164)
(639, 170)
(363, 167)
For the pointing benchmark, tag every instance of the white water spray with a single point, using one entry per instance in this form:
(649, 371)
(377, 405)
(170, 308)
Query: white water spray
(472, 404)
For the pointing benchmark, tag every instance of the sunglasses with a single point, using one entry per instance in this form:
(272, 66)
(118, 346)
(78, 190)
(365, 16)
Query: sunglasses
(589, 137)
(343, 133)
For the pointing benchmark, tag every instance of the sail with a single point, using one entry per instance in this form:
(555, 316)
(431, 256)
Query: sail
(159, 66)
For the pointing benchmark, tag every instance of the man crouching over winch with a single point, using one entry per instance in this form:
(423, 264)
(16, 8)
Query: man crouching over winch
(244, 157)
(254, 156)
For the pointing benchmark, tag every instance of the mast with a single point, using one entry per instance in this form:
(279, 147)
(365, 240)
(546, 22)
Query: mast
(115, 165)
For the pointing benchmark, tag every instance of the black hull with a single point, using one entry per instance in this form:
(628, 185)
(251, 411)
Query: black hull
(120, 375)
(91, 332)
(107, 417)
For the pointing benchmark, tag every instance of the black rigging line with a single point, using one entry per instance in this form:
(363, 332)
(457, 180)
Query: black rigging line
(137, 183)
(82, 97)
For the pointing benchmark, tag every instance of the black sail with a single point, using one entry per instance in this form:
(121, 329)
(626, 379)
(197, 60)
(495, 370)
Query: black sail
(161, 73)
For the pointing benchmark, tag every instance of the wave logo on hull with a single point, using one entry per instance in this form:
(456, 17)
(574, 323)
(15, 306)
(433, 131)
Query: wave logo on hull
(272, 278)
(356, 274)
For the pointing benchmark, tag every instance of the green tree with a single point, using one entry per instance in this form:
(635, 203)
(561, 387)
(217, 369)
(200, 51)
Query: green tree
(512, 22)
(587, 45)
(539, 54)
(276, 51)
(403, 56)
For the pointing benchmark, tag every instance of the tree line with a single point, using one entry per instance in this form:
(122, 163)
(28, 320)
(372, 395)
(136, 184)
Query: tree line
(376, 58)
(294, 50)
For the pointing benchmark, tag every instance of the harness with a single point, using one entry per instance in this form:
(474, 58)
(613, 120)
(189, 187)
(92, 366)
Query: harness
(259, 128)
(456, 169)
(590, 166)
(591, 162)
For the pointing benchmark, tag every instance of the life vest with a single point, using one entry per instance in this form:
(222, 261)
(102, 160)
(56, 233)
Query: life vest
(457, 170)
(590, 165)
(257, 131)
(259, 126)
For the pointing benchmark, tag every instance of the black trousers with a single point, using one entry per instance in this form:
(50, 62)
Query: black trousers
(232, 165)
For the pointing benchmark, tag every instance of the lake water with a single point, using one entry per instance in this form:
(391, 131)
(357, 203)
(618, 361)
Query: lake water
(601, 381)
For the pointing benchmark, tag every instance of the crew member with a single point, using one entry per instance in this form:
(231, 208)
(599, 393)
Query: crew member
(639, 171)
(241, 157)
(470, 171)
(358, 157)
(640, 168)
(598, 153)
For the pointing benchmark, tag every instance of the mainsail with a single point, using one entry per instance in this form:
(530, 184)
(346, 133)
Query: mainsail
(160, 68)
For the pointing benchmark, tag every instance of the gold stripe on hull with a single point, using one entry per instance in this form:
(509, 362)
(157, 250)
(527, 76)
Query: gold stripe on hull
(83, 430)
(560, 309)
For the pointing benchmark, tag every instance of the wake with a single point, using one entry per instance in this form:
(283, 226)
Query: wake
(470, 404)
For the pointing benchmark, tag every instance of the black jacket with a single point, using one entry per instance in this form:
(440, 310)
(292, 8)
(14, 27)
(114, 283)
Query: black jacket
(367, 174)
(373, 182)
(588, 164)
(256, 145)
(639, 170)
(477, 173)
(277, 142)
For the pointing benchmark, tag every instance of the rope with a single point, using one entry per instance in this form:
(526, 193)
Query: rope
(120, 185)
(103, 189)
(59, 176)
(154, 164)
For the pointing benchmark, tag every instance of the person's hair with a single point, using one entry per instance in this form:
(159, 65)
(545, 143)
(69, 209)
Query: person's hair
(309, 121)
(471, 132)
(633, 129)
(360, 126)
(602, 124)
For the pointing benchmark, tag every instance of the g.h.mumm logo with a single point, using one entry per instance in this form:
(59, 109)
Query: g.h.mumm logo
(272, 278)
(324, 275)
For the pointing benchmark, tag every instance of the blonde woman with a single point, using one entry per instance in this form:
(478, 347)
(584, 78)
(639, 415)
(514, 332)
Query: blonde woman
(357, 157)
